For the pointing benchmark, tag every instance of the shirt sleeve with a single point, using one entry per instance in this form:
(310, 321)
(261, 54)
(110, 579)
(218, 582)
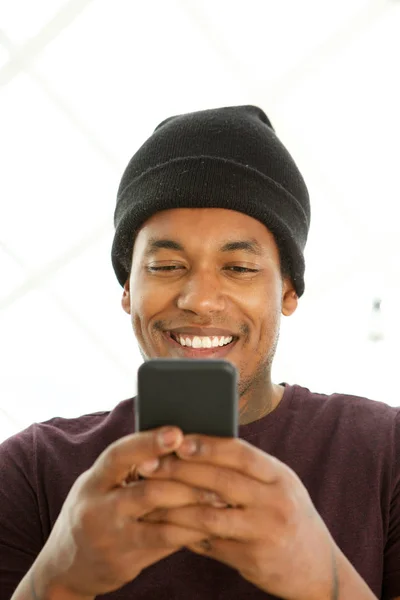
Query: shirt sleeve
(21, 538)
(391, 574)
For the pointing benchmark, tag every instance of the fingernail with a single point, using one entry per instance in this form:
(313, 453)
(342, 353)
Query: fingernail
(167, 437)
(149, 466)
(219, 504)
(212, 499)
(187, 448)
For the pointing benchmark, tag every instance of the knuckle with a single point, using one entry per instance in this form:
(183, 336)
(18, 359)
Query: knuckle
(85, 526)
(151, 492)
(289, 505)
(286, 516)
(172, 466)
(165, 536)
(81, 485)
(292, 500)
(81, 517)
(141, 442)
(111, 455)
(224, 481)
(210, 518)
(245, 458)
(117, 504)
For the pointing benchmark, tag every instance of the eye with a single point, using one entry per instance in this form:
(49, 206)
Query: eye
(171, 268)
(237, 269)
(163, 268)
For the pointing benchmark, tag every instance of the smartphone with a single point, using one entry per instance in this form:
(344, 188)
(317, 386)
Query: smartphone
(197, 395)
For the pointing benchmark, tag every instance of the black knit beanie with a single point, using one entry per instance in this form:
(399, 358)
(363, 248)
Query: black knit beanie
(221, 158)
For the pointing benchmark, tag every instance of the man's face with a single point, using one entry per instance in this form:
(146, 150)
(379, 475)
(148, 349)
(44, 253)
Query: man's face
(207, 277)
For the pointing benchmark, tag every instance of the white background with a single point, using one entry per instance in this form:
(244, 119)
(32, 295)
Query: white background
(83, 83)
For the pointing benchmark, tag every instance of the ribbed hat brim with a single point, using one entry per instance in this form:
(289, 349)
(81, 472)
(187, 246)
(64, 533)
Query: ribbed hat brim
(209, 182)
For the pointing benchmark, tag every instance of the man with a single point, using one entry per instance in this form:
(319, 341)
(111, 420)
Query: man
(211, 222)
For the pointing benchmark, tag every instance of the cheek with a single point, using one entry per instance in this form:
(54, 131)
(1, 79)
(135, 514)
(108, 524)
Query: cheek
(147, 302)
(143, 296)
(261, 301)
(263, 308)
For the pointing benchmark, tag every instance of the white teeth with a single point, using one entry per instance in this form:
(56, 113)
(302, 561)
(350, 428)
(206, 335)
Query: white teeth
(204, 341)
(196, 343)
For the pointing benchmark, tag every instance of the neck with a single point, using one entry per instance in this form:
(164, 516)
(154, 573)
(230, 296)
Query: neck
(256, 403)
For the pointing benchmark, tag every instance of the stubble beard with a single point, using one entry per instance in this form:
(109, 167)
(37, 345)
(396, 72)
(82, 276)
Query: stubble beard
(256, 390)
(255, 385)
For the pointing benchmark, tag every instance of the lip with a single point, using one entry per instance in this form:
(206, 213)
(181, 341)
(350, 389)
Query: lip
(186, 352)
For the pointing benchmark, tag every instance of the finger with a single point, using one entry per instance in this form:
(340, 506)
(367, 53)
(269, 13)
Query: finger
(115, 462)
(227, 523)
(144, 496)
(232, 487)
(252, 562)
(234, 453)
(230, 552)
(164, 535)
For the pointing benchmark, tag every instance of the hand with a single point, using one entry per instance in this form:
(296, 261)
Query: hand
(98, 544)
(271, 532)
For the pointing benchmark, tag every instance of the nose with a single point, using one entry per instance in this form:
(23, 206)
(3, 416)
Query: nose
(201, 294)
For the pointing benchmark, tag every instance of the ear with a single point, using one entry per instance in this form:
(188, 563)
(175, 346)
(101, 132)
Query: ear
(126, 298)
(289, 298)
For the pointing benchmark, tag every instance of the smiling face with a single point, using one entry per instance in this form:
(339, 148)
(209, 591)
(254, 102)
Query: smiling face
(210, 279)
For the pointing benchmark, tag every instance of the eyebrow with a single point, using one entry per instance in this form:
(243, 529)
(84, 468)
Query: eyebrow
(250, 246)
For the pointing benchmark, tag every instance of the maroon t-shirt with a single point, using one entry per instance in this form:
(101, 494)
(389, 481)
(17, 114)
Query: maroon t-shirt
(345, 449)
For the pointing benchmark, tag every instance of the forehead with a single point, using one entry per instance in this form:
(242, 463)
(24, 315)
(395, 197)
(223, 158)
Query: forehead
(204, 225)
